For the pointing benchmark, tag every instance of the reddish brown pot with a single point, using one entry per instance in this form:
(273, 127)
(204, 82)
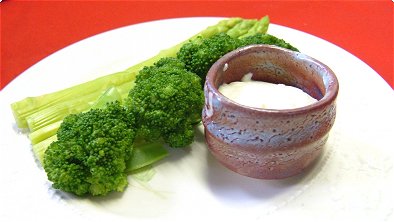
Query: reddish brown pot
(269, 143)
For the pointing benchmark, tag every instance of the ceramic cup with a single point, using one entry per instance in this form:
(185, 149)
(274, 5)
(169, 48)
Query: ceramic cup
(269, 143)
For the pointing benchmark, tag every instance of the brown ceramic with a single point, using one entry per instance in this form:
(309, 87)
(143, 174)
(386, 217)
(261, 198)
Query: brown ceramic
(269, 143)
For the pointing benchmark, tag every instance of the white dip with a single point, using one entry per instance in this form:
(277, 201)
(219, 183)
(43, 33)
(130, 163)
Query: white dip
(265, 95)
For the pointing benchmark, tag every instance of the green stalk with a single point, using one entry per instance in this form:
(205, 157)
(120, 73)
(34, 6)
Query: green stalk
(48, 129)
(29, 106)
(144, 155)
(44, 133)
(40, 148)
(250, 27)
(57, 112)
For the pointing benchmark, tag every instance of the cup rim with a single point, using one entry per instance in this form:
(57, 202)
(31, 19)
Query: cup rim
(331, 84)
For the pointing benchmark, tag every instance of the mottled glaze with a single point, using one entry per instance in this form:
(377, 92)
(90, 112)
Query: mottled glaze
(269, 143)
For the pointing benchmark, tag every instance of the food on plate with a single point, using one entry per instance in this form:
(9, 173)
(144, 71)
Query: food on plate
(201, 53)
(91, 136)
(259, 94)
(167, 101)
(91, 151)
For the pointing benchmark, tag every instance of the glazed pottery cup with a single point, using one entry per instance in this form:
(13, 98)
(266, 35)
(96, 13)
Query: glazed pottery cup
(269, 143)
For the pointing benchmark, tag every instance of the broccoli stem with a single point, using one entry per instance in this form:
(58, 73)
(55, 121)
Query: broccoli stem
(48, 129)
(145, 154)
(39, 148)
(57, 112)
(260, 26)
(81, 94)
(44, 132)
(249, 27)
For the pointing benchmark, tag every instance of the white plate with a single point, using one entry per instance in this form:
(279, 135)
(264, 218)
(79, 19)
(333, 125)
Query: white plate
(353, 180)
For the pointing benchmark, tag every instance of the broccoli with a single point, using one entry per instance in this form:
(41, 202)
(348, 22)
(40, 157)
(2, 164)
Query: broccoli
(94, 150)
(91, 151)
(167, 101)
(266, 39)
(199, 54)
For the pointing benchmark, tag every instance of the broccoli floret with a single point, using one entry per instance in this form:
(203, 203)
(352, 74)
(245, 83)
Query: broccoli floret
(90, 154)
(167, 101)
(200, 53)
(266, 39)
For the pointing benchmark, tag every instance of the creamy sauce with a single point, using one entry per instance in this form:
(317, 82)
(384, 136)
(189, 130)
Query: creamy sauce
(265, 95)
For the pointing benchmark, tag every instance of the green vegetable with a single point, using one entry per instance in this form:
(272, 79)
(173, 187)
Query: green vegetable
(145, 154)
(167, 101)
(94, 135)
(91, 151)
(59, 104)
(199, 54)
(266, 39)
(44, 132)
(40, 148)
(110, 95)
